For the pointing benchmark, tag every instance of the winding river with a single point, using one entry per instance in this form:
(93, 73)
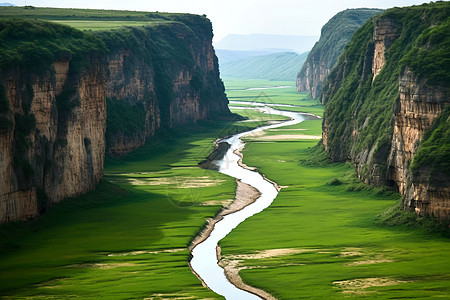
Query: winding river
(204, 258)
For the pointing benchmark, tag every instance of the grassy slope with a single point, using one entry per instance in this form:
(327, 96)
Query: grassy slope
(326, 212)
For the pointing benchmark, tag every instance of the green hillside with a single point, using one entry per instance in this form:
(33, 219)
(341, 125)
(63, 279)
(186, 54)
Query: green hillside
(274, 66)
(335, 34)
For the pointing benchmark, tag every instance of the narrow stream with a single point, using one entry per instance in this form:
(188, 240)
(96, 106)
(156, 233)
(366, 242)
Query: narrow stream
(204, 259)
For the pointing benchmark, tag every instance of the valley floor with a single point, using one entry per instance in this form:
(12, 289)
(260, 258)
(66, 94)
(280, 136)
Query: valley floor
(319, 238)
(129, 239)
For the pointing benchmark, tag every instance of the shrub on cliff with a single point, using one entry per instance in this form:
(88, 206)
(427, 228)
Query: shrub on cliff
(434, 149)
(34, 45)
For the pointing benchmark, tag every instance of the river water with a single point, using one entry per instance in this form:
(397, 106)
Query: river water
(204, 259)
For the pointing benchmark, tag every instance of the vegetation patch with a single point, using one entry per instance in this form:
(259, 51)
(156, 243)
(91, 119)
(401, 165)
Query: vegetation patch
(434, 150)
(123, 117)
(34, 45)
(397, 217)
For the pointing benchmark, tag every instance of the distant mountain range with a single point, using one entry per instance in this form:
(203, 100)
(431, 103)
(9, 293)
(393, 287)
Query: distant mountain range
(7, 4)
(270, 42)
(260, 64)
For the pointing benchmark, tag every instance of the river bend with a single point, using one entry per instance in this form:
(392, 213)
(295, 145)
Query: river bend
(204, 258)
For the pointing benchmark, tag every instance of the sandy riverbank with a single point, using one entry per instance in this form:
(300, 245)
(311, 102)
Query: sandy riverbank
(245, 195)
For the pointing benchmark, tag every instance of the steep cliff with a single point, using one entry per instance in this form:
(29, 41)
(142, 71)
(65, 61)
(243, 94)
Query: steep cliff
(53, 116)
(335, 34)
(58, 85)
(162, 76)
(387, 90)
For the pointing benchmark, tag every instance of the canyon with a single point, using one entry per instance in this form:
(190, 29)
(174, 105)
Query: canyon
(60, 119)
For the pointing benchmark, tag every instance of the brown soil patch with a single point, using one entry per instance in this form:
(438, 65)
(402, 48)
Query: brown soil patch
(269, 253)
(178, 181)
(281, 129)
(224, 203)
(369, 262)
(140, 252)
(289, 137)
(351, 252)
(357, 286)
(174, 296)
(103, 266)
(256, 133)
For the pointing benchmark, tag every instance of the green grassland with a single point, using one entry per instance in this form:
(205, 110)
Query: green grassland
(329, 221)
(88, 19)
(242, 90)
(153, 201)
(102, 25)
(129, 238)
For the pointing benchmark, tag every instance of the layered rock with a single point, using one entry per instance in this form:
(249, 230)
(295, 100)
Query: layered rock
(384, 34)
(52, 152)
(383, 97)
(334, 36)
(54, 113)
(169, 91)
(418, 105)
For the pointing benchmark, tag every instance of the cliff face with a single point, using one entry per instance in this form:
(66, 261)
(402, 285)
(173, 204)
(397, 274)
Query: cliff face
(384, 96)
(416, 108)
(164, 90)
(54, 128)
(51, 152)
(336, 33)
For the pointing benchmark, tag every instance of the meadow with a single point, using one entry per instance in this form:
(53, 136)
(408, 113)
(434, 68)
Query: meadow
(265, 91)
(129, 238)
(322, 238)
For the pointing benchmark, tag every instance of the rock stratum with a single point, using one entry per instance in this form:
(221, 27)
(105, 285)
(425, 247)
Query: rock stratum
(387, 106)
(335, 34)
(68, 97)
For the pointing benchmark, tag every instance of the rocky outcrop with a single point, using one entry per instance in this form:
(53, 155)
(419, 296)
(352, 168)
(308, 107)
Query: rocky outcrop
(384, 34)
(336, 33)
(383, 97)
(417, 106)
(52, 151)
(164, 91)
(59, 115)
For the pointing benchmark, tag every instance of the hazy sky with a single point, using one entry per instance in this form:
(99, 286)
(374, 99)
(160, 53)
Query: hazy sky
(293, 17)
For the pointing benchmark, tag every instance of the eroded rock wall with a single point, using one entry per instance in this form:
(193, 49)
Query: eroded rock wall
(418, 105)
(383, 96)
(53, 118)
(170, 91)
(51, 151)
